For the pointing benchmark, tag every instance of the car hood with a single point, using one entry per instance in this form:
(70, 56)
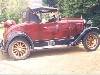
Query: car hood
(64, 20)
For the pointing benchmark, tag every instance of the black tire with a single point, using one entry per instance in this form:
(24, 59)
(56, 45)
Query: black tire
(19, 49)
(93, 39)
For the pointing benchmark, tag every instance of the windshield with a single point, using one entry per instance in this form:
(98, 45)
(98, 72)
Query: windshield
(49, 17)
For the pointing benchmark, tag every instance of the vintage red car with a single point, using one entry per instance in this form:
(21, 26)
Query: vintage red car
(20, 39)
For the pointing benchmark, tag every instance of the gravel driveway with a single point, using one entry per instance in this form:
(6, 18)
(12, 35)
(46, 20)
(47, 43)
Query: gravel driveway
(69, 61)
(55, 61)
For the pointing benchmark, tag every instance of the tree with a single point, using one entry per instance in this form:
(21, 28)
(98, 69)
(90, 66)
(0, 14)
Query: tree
(51, 3)
(11, 9)
(75, 7)
(78, 8)
(3, 7)
(45, 2)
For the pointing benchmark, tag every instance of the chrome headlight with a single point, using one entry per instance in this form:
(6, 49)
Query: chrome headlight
(89, 22)
(84, 21)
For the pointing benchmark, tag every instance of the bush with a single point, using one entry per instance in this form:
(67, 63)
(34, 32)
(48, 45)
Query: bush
(96, 20)
(11, 9)
(1, 18)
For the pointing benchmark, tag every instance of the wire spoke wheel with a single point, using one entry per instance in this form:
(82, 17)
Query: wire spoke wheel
(91, 41)
(19, 49)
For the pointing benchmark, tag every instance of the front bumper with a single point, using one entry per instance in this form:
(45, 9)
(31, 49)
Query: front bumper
(1, 45)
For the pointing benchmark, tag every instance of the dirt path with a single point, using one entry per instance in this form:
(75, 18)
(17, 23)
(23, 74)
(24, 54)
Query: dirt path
(56, 61)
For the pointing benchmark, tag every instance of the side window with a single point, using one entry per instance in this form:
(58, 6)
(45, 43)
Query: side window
(45, 17)
(48, 17)
(24, 14)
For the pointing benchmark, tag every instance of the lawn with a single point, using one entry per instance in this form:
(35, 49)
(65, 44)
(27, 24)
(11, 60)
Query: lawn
(1, 32)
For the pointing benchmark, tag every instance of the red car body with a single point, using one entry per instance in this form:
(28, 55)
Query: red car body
(63, 29)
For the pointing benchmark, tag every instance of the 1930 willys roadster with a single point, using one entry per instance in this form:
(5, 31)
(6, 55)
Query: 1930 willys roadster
(20, 39)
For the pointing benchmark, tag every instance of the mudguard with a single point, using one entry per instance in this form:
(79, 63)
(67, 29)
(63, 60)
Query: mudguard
(13, 35)
(85, 31)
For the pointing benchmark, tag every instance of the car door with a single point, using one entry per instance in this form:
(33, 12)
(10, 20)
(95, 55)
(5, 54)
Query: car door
(63, 30)
(48, 30)
(76, 27)
(72, 29)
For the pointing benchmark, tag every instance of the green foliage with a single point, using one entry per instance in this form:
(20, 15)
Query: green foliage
(53, 3)
(78, 8)
(96, 20)
(75, 7)
(68, 7)
(1, 18)
(11, 9)
(45, 2)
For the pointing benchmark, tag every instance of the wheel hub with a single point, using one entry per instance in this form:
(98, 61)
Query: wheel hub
(19, 49)
(91, 41)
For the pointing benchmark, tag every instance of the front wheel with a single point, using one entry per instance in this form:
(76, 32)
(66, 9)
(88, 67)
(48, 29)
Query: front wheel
(91, 41)
(19, 49)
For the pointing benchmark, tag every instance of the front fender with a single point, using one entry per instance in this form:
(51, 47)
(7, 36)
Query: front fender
(99, 29)
(13, 35)
(85, 31)
(95, 29)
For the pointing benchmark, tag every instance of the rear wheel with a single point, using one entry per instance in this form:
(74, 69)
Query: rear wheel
(19, 49)
(91, 41)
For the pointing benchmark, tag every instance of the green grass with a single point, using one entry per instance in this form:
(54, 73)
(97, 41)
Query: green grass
(1, 30)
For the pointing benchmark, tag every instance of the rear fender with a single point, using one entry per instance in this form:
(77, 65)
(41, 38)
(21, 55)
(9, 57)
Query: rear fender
(14, 35)
(85, 31)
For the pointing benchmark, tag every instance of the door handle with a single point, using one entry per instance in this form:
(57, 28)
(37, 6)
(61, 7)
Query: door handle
(57, 26)
(44, 27)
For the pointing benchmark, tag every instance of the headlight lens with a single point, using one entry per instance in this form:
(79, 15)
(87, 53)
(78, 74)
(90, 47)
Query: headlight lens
(84, 21)
(89, 22)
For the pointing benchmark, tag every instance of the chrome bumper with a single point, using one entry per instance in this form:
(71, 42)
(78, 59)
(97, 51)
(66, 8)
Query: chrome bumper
(1, 45)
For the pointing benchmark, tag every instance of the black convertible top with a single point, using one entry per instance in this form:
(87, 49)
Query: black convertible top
(28, 13)
(44, 9)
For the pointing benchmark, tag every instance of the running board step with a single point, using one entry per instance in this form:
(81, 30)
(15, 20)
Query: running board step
(48, 47)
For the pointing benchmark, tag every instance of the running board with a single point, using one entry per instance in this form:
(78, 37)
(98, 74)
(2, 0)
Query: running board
(51, 47)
